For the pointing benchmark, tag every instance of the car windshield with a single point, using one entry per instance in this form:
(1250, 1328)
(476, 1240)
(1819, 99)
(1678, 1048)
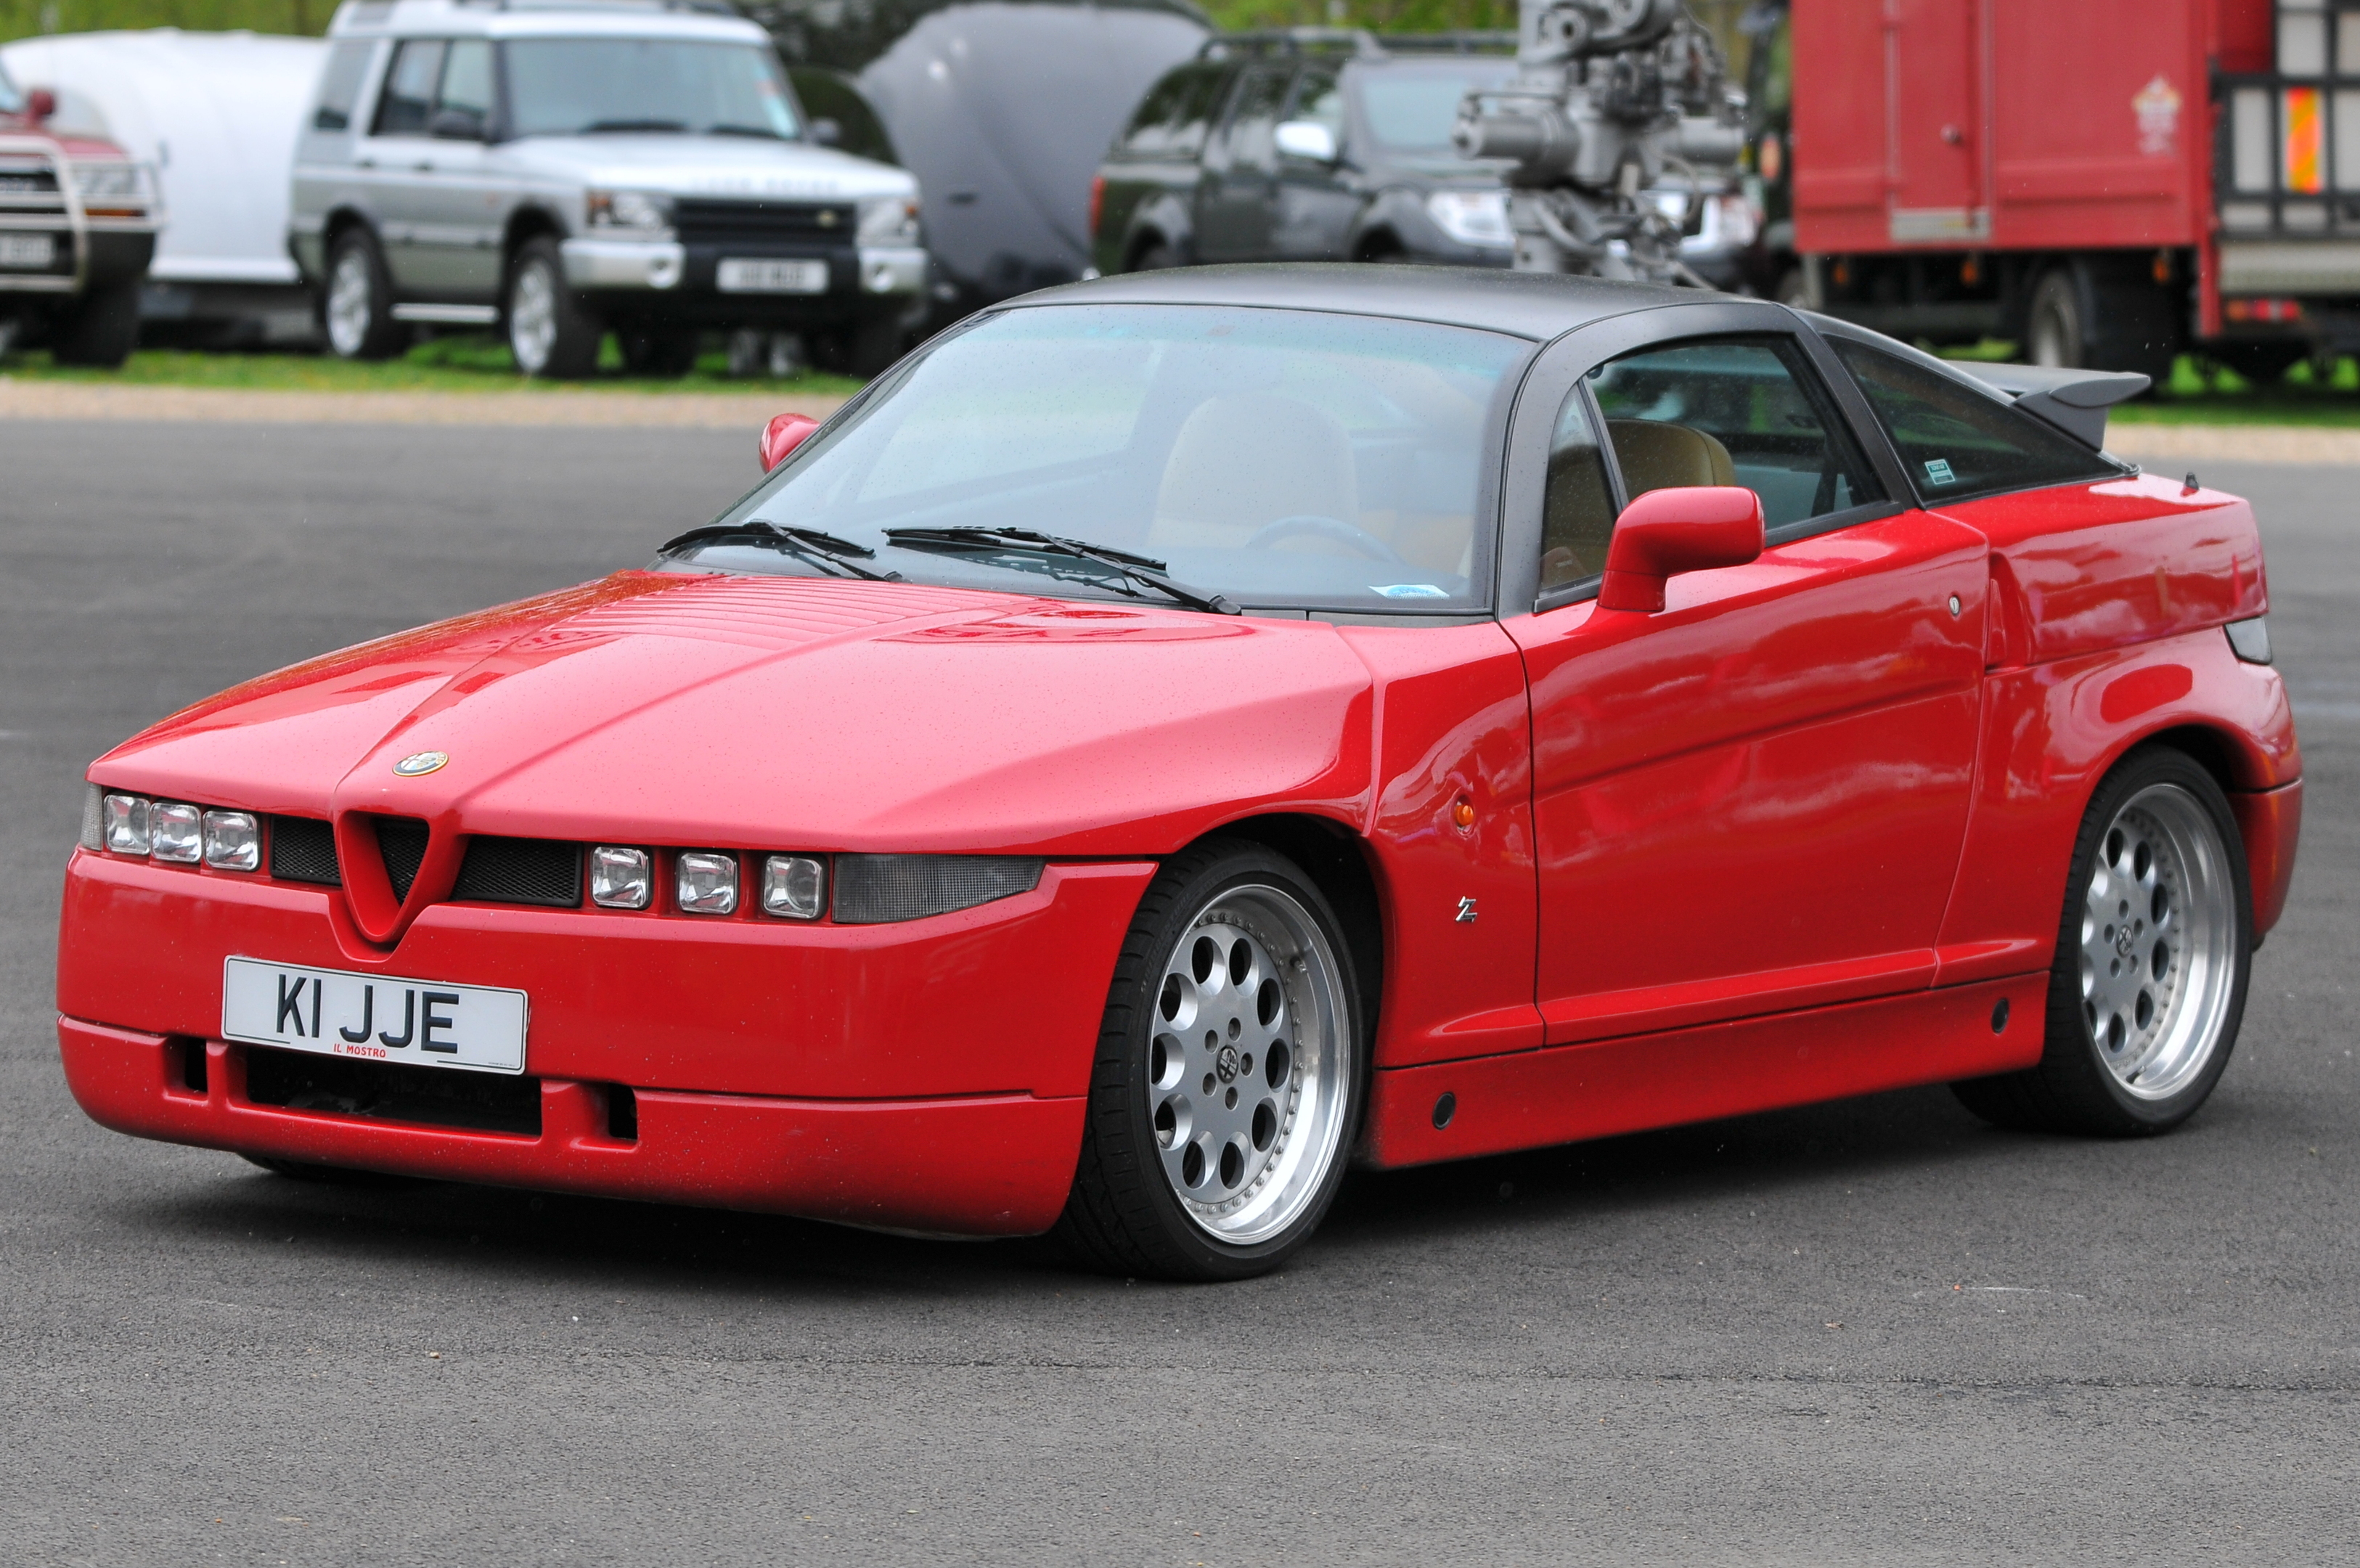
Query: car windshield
(1411, 108)
(1281, 459)
(563, 87)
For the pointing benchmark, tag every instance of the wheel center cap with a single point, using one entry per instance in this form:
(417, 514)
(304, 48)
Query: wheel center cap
(1225, 1063)
(2123, 942)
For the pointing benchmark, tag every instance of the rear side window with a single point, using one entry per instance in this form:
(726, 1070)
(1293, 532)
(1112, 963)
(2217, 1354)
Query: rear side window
(1957, 441)
(409, 97)
(340, 86)
(1172, 122)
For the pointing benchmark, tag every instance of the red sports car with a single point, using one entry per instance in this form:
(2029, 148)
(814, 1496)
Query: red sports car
(1177, 735)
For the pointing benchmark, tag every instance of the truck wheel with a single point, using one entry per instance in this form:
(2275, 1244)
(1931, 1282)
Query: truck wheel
(550, 331)
(864, 350)
(357, 311)
(2152, 958)
(1231, 1069)
(658, 351)
(2054, 332)
(102, 329)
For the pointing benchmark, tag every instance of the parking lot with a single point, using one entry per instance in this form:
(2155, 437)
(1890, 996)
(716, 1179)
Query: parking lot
(1874, 1332)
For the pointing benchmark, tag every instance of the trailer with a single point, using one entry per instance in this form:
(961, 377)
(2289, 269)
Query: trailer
(2108, 183)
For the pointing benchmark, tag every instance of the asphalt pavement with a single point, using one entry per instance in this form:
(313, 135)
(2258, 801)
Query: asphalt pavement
(1874, 1332)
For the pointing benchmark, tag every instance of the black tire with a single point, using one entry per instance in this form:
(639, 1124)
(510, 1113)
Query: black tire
(1124, 1216)
(667, 352)
(324, 1175)
(102, 328)
(552, 333)
(866, 349)
(2072, 1090)
(2055, 327)
(356, 301)
(1157, 257)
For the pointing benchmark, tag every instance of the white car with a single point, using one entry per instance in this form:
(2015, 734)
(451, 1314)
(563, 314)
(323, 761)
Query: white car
(560, 169)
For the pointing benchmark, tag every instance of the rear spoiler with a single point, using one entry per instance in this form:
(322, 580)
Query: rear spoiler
(2075, 401)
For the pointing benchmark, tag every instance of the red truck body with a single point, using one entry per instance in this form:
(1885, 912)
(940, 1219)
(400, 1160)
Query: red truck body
(2166, 167)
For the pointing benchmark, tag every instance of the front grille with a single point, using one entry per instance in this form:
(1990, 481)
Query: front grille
(522, 871)
(707, 221)
(303, 849)
(393, 1092)
(402, 842)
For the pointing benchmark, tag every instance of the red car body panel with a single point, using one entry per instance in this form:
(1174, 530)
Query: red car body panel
(1796, 836)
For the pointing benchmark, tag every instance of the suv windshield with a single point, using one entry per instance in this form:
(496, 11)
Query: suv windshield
(11, 100)
(1411, 108)
(562, 87)
(1284, 459)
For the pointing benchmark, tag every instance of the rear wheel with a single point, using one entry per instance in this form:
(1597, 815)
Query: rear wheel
(550, 333)
(102, 329)
(2153, 956)
(356, 311)
(2054, 332)
(1229, 1077)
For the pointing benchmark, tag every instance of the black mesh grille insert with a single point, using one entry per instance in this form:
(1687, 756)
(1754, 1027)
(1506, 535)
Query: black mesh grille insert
(402, 842)
(706, 220)
(522, 871)
(303, 849)
(394, 1092)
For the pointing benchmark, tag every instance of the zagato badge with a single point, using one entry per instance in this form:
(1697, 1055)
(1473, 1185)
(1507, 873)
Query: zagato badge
(419, 762)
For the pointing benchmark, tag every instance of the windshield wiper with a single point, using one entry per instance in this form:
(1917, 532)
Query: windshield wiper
(763, 131)
(597, 126)
(813, 546)
(1138, 568)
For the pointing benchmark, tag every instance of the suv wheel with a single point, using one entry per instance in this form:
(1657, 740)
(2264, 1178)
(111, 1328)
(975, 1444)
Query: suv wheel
(550, 332)
(658, 351)
(102, 329)
(356, 311)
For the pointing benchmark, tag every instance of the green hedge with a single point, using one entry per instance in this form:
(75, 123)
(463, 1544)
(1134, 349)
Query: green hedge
(22, 19)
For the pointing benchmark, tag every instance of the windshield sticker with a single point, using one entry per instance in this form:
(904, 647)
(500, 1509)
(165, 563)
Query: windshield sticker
(1414, 590)
(1938, 472)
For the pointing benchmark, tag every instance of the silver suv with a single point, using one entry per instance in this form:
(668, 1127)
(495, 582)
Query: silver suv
(561, 169)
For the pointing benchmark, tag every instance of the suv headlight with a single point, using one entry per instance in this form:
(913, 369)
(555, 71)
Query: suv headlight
(641, 211)
(110, 182)
(1472, 217)
(889, 220)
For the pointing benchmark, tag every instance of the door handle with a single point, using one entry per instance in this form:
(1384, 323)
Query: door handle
(423, 168)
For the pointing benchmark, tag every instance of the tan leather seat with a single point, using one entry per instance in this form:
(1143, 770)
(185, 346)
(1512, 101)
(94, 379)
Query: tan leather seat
(1244, 461)
(1658, 456)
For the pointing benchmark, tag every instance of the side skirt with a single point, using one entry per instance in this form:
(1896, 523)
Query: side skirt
(1534, 1098)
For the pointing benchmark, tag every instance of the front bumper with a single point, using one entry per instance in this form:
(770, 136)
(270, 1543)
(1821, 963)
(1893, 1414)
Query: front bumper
(597, 265)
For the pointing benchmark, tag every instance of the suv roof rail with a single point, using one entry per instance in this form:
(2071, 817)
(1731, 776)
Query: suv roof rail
(703, 8)
(1359, 42)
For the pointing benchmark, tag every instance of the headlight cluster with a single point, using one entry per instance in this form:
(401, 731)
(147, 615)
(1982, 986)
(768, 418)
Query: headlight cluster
(889, 220)
(642, 211)
(1472, 217)
(173, 832)
(109, 182)
(869, 889)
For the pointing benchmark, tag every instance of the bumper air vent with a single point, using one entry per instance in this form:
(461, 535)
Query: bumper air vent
(520, 871)
(303, 849)
(402, 842)
(385, 1091)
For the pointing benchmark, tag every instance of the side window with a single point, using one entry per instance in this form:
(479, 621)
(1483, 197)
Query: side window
(1171, 123)
(1733, 411)
(1254, 116)
(1577, 509)
(408, 101)
(1318, 98)
(340, 85)
(467, 82)
(1958, 440)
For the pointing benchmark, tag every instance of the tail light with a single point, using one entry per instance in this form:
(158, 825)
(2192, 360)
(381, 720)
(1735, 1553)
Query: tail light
(1098, 201)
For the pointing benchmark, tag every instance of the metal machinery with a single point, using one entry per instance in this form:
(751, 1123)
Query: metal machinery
(1610, 96)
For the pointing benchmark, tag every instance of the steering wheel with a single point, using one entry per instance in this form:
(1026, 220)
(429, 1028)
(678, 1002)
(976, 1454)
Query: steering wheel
(1312, 525)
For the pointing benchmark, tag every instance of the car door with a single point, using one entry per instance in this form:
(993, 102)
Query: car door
(1316, 197)
(396, 158)
(1238, 183)
(459, 204)
(1754, 800)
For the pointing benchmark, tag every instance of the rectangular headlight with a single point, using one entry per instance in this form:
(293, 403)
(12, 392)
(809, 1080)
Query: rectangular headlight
(794, 887)
(706, 884)
(889, 220)
(232, 841)
(876, 890)
(176, 832)
(125, 817)
(642, 210)
(620, 877)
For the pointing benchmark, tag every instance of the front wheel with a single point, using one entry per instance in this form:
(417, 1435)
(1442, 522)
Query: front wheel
(103, 328)
(356, 311)
(2152, 959)
(1231, 1069)
(550, 332)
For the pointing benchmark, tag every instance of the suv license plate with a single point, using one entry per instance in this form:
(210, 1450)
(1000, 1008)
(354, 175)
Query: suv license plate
(740, 275)
(377, 1018)
(28, 250)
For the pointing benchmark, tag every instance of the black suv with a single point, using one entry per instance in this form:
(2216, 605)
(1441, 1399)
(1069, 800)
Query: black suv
(1308, 145)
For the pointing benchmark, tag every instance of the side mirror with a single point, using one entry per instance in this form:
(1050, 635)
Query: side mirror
(1689, 527)
(41, 103)
(827, 132)
(1306, 139)
(782, 435)
(455, 125)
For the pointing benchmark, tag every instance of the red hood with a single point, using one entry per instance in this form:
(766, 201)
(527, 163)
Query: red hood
(793, 713)
(72, 146)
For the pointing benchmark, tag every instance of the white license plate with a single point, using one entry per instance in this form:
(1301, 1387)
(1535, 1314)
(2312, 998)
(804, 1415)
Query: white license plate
(377, 1018)
(739, 275)
(28, 250)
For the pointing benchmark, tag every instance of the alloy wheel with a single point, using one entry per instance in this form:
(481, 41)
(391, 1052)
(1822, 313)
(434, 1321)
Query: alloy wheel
(351, 306)
(533, 317)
